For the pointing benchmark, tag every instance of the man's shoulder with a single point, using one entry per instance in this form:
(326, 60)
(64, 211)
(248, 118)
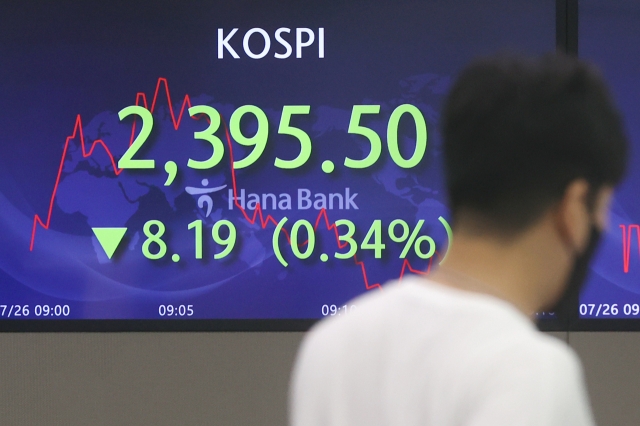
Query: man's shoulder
(540, 353)
(419, 312)
(458, 348)
(418, 305)
(429, 317)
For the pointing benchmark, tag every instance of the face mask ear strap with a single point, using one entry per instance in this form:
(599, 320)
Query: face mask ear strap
(590, 201)
(567, 304)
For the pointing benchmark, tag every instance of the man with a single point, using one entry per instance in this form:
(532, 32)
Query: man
(533, 149)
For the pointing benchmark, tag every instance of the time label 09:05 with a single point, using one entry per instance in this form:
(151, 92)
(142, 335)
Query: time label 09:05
(175, 310)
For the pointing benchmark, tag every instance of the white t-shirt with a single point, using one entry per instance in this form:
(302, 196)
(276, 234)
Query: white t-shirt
(421, 353)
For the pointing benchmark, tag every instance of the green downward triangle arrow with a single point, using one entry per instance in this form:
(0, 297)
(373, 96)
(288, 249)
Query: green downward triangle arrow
(109, 238)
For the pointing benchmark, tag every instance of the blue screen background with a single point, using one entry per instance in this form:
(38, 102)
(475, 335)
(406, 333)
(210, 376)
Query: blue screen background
(608, 37)
(90, 60)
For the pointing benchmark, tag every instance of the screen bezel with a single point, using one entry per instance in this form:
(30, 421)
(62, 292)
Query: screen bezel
(566, 41)
(589, 324)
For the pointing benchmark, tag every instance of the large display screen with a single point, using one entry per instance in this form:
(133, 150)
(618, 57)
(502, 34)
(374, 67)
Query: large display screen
(609, 37)
(229, 160)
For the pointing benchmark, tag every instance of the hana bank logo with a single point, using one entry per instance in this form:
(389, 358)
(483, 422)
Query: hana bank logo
(204, 199)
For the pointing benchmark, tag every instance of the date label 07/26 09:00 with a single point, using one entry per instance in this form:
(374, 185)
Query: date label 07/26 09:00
(35, 311)
(301, 238)
(598, 310)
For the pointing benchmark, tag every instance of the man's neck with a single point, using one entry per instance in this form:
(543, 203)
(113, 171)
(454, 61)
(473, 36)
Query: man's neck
(518, 270)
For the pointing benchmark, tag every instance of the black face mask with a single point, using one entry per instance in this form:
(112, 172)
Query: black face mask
(567, 305)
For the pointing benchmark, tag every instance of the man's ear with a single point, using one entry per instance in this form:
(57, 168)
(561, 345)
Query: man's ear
(573, 219)
(602, 207)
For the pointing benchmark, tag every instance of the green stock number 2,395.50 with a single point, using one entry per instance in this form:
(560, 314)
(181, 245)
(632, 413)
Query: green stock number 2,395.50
(259, 140)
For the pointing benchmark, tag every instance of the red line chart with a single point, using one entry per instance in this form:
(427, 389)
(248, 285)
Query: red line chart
(626, 244)
(258, 215)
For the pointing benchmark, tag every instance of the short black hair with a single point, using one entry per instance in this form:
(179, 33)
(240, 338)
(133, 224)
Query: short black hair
(518, 130)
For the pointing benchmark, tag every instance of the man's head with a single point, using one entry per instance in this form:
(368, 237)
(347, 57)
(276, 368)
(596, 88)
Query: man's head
(529, 139)
(518, 132)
